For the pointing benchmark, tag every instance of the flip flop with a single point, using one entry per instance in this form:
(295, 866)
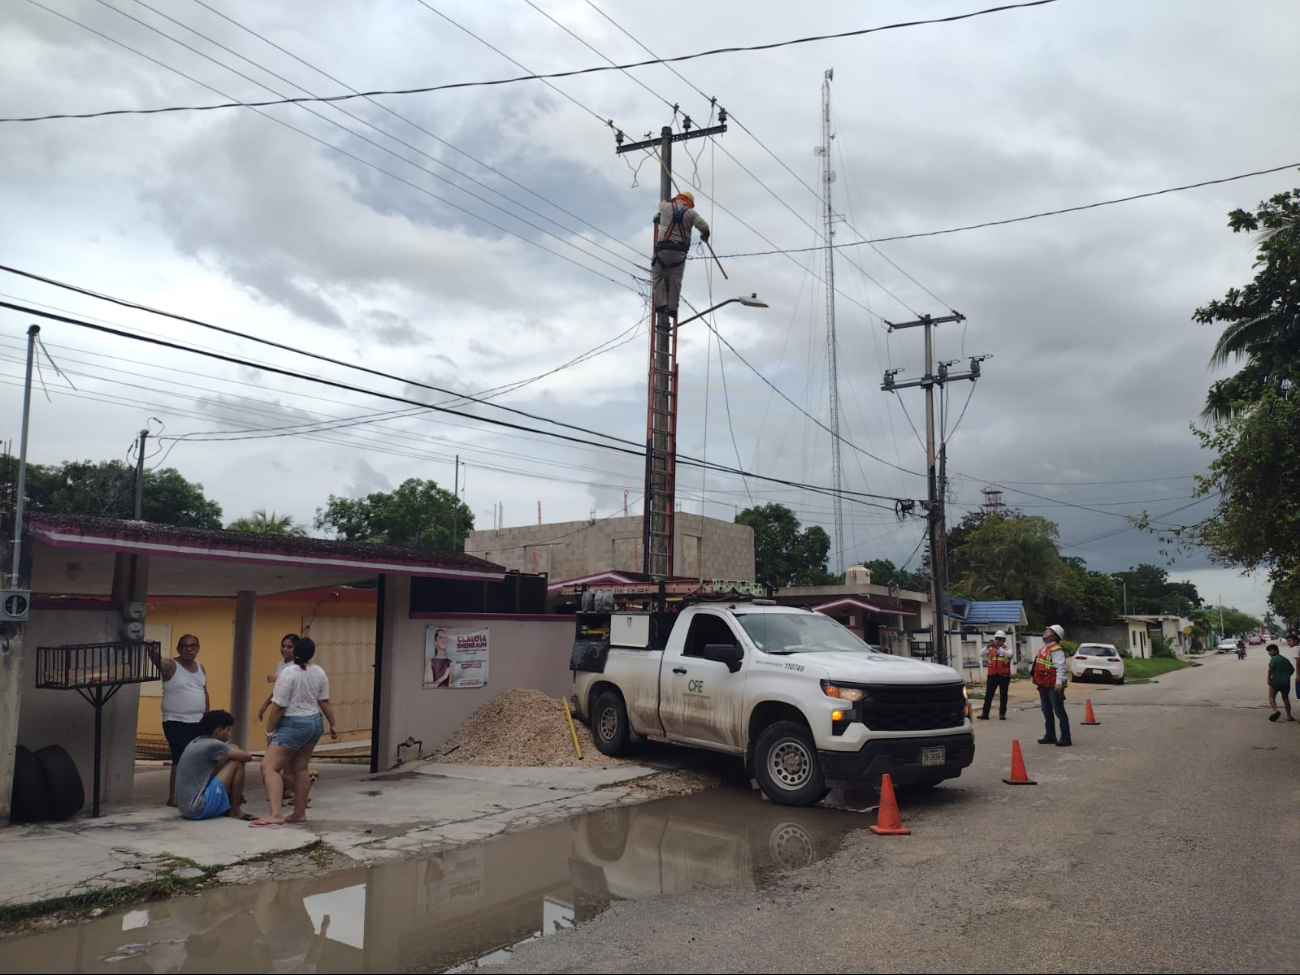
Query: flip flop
(1274, 716)
(256, 825)
(247, 817)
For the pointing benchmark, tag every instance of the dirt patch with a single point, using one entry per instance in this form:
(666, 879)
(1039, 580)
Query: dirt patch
(520, 728)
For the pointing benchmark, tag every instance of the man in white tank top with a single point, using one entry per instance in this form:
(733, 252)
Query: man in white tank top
(184, 700)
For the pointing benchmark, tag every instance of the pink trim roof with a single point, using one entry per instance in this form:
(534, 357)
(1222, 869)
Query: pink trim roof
(850, 602)
(148, 538)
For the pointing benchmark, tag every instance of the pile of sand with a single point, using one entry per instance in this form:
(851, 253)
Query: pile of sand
(520, 727)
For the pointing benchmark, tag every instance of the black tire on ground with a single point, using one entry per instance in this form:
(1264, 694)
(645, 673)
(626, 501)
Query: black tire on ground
(786, 765)
(67, 794)
(609, 725)
(30, 801)
(1120, 681)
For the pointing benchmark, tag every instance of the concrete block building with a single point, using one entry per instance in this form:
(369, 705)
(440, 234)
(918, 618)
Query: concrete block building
(702, 547)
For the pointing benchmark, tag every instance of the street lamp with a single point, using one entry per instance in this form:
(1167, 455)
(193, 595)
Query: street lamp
(751, 302)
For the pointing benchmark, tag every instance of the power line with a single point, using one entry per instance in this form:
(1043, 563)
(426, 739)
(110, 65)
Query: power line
(596, 69)
(287, 348)
(432, 135)
(1031, 216)
(815, 420)
(635, 450)
(366, 139)
(339, 149)
(769, 151)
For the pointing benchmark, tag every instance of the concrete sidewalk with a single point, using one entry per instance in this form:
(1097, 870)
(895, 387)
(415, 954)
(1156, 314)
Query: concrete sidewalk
(422, 808)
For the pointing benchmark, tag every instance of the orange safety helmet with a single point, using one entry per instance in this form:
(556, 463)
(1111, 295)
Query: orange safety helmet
(688, 197)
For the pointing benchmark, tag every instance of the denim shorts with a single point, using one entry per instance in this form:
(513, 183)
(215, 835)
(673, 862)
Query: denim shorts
(298, 732)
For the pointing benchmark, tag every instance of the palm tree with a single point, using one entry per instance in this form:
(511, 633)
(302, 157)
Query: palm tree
(1262, 325)
(264, 524)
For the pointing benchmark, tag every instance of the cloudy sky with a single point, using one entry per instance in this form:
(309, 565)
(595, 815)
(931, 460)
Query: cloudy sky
(472, 239)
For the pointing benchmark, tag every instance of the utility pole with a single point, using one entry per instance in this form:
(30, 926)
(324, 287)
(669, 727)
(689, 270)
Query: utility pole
(832, 349)
(139, 476)
(935, 487)
(661, 411)
(455, 507)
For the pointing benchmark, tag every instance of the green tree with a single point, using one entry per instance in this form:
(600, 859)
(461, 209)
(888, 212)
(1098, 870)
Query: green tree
(107, 489)
(783, 555)
(261, 523)
(1235, 621)
(1255, 412)
(1149, 591)
(419, 514)
(1081, 597)
(1009, 557)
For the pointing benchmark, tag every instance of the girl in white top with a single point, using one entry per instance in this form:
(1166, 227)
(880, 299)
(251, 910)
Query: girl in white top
(302, 693)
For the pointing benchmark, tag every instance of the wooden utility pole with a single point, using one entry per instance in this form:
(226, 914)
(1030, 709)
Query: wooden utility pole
(661, 411)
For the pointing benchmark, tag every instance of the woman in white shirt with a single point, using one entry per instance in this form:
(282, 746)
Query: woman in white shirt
(302, 692)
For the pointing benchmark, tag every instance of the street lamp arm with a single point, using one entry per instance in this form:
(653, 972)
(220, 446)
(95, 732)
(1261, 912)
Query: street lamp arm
(752, 302)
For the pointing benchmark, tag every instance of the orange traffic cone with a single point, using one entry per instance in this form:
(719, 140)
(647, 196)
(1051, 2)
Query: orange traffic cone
(888, 822)
(1018, 774)
(1088, 716)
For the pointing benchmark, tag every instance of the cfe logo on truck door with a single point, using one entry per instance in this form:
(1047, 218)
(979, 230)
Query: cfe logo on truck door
(695, 687)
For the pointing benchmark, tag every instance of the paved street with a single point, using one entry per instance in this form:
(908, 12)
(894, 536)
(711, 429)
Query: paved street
(1165, 840)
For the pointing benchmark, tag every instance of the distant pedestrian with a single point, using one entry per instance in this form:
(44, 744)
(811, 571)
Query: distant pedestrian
(999, 663)
(210, 780)
(184, 700)
(1049, 677)
(1279, 682)
(294, 726)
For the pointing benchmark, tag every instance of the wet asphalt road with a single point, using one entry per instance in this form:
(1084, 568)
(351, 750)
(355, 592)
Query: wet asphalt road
(1166, 840)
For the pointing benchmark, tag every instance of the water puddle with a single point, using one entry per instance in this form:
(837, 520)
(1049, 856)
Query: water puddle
(456, 910)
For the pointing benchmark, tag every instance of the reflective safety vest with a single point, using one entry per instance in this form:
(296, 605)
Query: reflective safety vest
(1044, 674)
(677, 236)
(999, 666)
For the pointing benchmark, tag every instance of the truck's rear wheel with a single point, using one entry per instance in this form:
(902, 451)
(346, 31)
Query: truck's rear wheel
(609, 725)
(786, 765)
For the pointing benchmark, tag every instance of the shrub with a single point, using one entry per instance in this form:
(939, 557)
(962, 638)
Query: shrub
(1162, 647)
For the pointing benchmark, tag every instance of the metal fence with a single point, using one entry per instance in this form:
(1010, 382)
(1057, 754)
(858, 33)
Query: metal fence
(97, 665)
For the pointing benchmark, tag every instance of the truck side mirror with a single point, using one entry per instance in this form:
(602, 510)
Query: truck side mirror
(725, 653)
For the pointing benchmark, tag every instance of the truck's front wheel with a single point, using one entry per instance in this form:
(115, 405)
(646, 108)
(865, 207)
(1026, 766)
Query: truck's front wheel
(786, 765)
(609, 725)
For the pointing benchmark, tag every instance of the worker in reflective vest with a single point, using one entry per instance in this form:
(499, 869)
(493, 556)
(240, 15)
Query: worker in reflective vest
(673, 224)
(999, 664)
(1049, 678)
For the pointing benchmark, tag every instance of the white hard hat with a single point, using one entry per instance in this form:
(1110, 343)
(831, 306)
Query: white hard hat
(1058, 630)
(1000, 635)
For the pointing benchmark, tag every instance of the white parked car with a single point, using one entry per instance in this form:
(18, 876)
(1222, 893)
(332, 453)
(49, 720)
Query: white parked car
(1095, 661)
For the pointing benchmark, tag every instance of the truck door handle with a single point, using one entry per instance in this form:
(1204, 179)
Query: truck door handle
(679, 670)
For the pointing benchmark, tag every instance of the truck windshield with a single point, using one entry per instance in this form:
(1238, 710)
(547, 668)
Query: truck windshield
(800, 633)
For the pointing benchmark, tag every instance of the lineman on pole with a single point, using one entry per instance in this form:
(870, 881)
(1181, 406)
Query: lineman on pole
(673, 225)
(999, 661)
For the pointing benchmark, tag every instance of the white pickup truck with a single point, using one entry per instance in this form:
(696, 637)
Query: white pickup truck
(800, 698)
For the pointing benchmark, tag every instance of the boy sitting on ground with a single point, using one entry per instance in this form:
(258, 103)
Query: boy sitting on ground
(210, 774)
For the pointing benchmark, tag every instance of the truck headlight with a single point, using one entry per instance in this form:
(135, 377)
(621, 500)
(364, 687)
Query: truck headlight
(843, 693)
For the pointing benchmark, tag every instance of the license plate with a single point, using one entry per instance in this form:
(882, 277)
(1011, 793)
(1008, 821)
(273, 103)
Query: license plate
(1096, 673)
(934, 756)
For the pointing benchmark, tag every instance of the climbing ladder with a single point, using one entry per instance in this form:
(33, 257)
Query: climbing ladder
(661, 448)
